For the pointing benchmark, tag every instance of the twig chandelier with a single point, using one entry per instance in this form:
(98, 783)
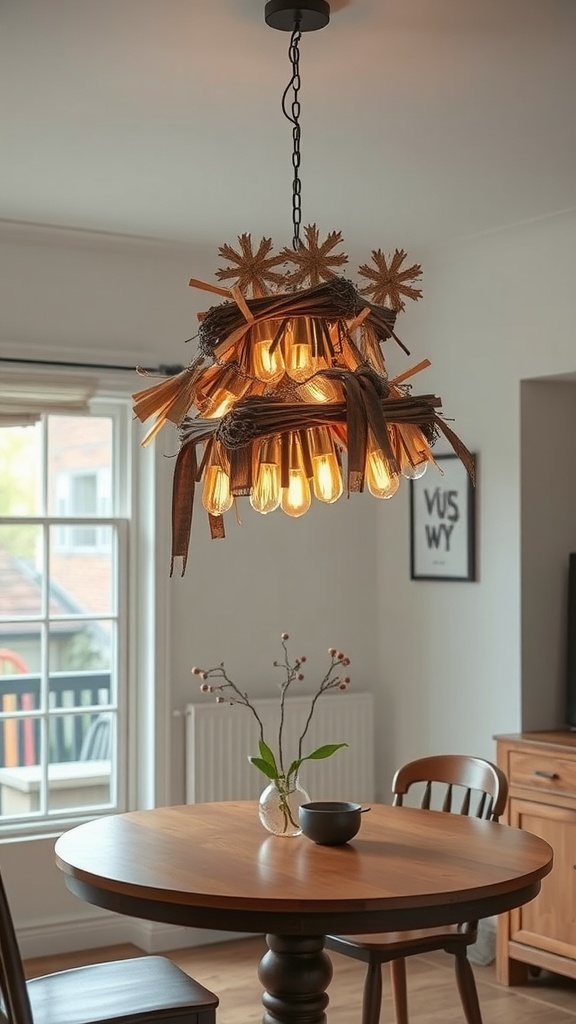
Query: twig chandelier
(289, 397)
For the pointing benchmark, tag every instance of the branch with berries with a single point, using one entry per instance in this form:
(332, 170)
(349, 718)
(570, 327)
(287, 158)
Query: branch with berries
(228, 692)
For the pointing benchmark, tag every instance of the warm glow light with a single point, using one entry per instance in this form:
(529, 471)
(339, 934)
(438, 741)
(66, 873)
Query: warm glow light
(296, 498)
(381, 483)
(327, 479)
(265, 495)
(266, 365)
(222, 389)
(300, 357)
(319, 390)
(216, 496)
(219, 405)
(410, 447)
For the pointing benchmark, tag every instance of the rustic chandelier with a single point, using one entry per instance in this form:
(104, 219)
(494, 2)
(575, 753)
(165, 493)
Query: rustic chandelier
(289, 397)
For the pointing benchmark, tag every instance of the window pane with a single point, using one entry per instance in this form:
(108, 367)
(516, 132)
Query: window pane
(80, 466)
(82, 567)
(85, 779)
(19, 783)
(81, 648)
(20, 691)
(20, 570)
(20, 653)
(85, 782)
(19, 737)
(79, 784)
(20, 476)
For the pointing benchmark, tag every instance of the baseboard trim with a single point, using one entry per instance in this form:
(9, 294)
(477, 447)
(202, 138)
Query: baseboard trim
(66, 936)
(158, 938)
(70, 934)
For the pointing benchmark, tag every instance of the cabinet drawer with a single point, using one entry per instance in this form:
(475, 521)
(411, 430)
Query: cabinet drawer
(542, 771)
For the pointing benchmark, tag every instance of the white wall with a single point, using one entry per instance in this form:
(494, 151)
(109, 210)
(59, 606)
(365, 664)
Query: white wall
(443, 659)
(496, 311)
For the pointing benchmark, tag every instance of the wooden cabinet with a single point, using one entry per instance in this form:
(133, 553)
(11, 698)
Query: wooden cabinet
(541, 770)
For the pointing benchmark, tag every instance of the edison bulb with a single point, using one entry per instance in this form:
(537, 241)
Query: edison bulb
(300, 351)
(266, 491)
(381, 483)
(216, 496)
(219, 405)
(223, 391)
(296, 498)
(318, 390)
(415, 472)
(266, 365)
(327, 478)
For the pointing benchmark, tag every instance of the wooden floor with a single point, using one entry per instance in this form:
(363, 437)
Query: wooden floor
(229, 969)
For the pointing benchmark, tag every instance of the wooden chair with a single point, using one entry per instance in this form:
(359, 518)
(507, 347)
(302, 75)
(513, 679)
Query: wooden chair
(144, 990)
(485, 790)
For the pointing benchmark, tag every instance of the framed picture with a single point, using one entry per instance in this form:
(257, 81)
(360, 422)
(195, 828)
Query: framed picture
(442, 523)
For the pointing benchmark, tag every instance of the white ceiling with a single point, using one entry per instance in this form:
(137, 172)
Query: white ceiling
(422, 120)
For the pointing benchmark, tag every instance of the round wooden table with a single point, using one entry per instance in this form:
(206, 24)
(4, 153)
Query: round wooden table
(213, 866)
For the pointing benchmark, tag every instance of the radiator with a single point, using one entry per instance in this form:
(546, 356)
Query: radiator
(219, 738)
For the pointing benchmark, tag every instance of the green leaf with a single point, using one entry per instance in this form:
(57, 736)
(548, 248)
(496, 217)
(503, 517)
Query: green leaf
(267, 755)
(294, 767)
(270, 771)
(326, 751)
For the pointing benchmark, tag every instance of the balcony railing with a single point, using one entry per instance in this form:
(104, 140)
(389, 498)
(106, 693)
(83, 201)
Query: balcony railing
(68, 734)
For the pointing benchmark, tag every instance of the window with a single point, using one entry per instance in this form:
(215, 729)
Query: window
(64, 520)
(81, 493)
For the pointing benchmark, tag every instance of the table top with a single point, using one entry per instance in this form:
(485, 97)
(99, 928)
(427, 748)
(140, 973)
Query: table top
(213, 866)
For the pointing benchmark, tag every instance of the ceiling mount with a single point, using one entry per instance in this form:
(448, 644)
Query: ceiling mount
(310, 14)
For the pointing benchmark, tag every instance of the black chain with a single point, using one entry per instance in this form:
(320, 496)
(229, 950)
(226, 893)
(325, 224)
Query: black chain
(294, 117)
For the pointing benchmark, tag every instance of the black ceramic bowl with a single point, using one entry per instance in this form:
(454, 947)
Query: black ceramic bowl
(330, 822)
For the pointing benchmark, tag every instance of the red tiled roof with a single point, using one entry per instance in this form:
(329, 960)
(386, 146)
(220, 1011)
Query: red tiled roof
(20, 589)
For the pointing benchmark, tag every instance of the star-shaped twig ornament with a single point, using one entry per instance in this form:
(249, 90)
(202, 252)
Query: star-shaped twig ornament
(254, 269)
(390, 283)
(313, 262)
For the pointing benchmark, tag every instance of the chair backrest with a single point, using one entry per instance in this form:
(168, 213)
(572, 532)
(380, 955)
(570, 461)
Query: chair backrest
(96, 743)
(16, 1005)
(470, 774)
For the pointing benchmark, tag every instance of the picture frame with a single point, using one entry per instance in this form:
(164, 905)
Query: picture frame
(443, 523)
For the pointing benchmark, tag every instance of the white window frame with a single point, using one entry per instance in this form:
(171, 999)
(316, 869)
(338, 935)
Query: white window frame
(67, 538)
(122, 672)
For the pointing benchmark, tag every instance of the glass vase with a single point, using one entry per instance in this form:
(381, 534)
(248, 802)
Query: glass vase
(278, 807)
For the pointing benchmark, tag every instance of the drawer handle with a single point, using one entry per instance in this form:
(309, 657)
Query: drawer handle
(546, 775)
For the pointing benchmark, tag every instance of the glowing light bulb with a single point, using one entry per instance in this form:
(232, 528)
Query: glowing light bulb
(411, 449)
(415, 472)
(300, 349)
(296, 498)
(381, 483)
(266, 491)
(220, 405)
(319, 390)
(327, 479)
(222, 391)
(216, 496)
(266, 365)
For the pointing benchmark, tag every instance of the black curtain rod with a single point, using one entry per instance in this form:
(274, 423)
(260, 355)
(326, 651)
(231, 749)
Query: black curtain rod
(162, 370)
